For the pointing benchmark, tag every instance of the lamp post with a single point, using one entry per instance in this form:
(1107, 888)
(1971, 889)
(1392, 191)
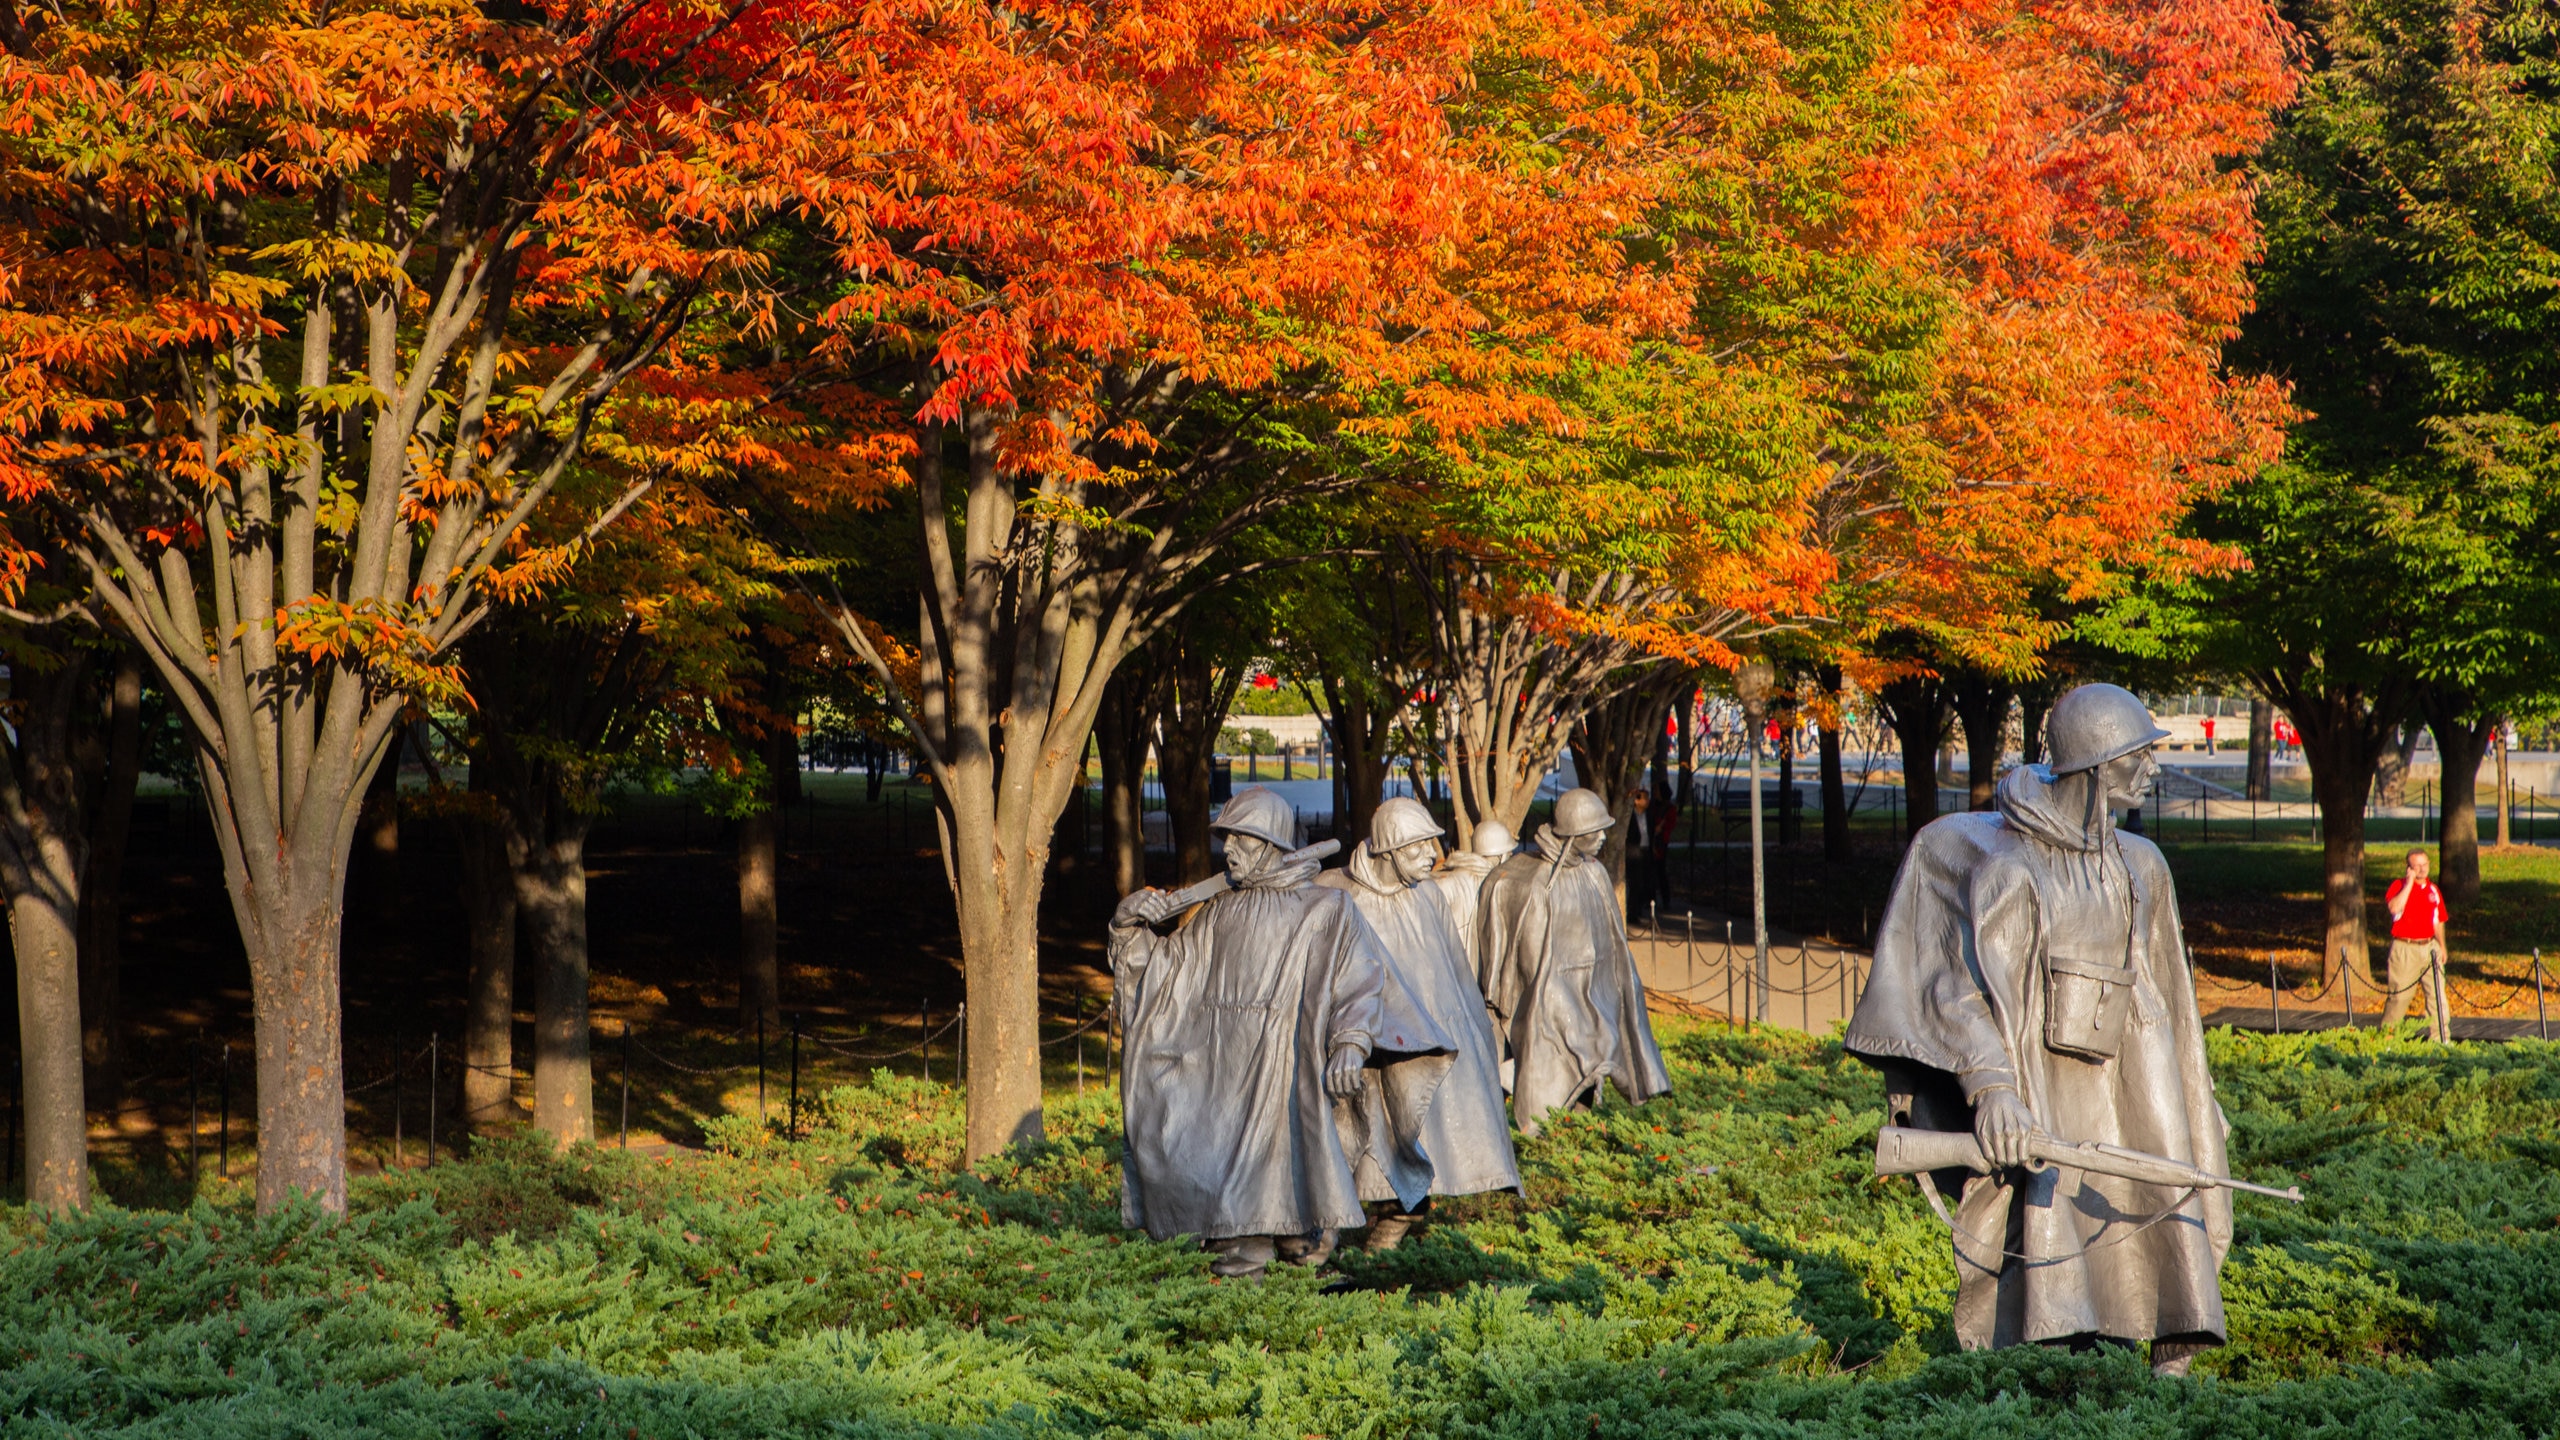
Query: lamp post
(1753, 682)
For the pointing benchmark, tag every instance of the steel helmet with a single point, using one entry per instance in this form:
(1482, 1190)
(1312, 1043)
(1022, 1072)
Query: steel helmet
(1400, 822)
(1259, 812)
(1582, 812)
(2094, 724)
(1495, 839)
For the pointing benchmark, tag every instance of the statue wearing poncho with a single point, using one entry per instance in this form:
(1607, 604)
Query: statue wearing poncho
(1559, 975)
(2030, 975)
(1461, 884)
(1464, 1144)
(1241, 1029)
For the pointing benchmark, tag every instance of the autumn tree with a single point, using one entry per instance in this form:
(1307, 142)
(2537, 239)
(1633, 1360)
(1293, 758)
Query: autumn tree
(1166, 324)
(312, 309)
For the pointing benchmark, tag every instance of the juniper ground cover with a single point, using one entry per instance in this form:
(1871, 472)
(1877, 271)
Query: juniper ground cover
(1718, 1263)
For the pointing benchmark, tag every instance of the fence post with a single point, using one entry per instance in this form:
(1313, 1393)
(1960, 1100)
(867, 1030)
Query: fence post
(225, 1082)
(626, 1084)
(435, 1069)
(2275, 995)
(924, 1039)
(2347, 987)
(791, 1119)
(960, 1046)
(195, 1118)
(760, 1115)
(1728, 975)
(2541, 1016)
(398, 1149)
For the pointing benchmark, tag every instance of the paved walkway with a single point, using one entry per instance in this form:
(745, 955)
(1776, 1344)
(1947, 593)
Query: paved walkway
(2465, 1027)
(1702, 963)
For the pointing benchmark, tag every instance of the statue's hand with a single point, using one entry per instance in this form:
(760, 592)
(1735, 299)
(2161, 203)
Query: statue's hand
(1342, 1072)
(2003, 1124)
(1141, 907)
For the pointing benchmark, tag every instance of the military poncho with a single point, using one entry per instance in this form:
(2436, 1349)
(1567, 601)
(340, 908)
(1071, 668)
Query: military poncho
(1464, 1139)
(1228, 1023)
(1559, 975)
(2038, 948)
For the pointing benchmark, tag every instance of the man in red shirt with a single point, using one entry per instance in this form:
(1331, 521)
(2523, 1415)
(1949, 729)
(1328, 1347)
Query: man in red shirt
(2417, 947)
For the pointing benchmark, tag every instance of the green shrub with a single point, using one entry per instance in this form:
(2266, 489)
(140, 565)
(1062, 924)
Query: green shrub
(1719, 1263)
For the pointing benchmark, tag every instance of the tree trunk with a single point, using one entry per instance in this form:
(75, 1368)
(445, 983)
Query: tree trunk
(44, 929)
(1362, 724)
(2262, 748)
(551, 895)
(1511, 692)
(43, 857)
(1120, 734)
(1915, 706)
(2035, 702)
(759, 882)
(102, 1030)
(1193, 695)
(759, 921)
(489, 1014)
(1835, 787)
(1611, 743)
(302, 1098)
(2462, 740)
(2344, 733)
(1982, 702)
(2506, 789)
(2391, 766)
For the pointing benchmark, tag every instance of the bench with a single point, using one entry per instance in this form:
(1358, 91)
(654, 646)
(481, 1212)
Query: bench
(1733, 805)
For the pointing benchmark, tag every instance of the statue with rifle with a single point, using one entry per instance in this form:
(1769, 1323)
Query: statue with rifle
(2033, 1013)
(1250, 1004)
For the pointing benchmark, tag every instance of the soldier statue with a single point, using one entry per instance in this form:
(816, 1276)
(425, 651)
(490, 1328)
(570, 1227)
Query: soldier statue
(2031, 992)
(1461, 881)
(1241, 1029)
(1558, 973)
(1464, 1146)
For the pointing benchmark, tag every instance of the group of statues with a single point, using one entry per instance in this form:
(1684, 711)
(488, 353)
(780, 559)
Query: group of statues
(1313, 1043)
(1316, 1051)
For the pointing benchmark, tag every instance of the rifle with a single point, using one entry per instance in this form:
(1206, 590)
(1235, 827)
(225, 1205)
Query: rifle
(1904, 1151)
(1218, 884)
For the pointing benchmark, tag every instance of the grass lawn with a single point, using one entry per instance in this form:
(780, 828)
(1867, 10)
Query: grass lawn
(2245, 902)
(1718, 1263)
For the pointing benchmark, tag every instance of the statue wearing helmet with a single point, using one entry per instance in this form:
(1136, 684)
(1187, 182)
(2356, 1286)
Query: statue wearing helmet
(2030, 977)
(1557, 971)
(1461, 881)
(1463, 1144)
(1241, 1029)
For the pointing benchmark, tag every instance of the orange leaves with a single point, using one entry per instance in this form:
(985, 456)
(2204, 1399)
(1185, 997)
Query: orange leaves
(384, 640)
(2066, 188)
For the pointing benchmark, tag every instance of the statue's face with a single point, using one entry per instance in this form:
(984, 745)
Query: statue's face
(1589, 845)
(1246, 854)
(1413, 863)
(2128, 778)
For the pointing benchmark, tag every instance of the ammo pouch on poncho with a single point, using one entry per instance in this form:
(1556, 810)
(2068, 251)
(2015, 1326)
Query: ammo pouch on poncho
(2086, 1003)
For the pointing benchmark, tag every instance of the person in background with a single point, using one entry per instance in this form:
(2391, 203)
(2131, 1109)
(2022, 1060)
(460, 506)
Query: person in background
(2417, 947)
(1662, 823)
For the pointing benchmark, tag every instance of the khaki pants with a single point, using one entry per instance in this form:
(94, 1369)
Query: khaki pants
(2417, 969)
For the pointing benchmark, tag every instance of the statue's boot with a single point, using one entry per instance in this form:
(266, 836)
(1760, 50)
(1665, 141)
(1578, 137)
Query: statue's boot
(2170, 1358)
(1242, 1257)
(1310, 1250)
(1388, 1231)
